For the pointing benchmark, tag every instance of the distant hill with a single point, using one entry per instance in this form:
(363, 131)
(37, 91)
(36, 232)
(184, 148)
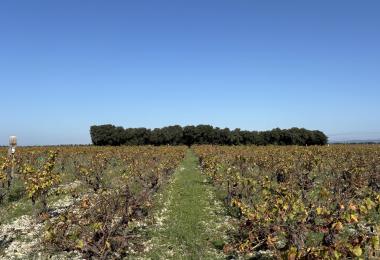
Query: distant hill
(357, 137)
(356, 141)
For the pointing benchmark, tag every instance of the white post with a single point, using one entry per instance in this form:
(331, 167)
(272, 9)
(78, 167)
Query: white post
(11, 155)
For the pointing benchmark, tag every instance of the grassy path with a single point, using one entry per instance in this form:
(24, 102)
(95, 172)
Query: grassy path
(190, 223)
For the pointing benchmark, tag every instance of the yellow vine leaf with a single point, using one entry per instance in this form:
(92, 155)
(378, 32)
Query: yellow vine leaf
(357, 251)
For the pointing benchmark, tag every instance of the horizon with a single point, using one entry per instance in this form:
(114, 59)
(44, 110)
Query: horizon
(251, 65)
(346, 137)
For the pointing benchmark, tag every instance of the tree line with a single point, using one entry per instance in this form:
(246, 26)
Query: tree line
(203, 134)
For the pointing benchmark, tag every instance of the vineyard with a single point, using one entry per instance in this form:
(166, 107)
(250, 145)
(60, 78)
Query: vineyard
(203, 202)
(300, 202)
(103, 190)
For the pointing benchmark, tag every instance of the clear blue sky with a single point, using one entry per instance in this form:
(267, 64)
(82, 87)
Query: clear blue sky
(256, 65)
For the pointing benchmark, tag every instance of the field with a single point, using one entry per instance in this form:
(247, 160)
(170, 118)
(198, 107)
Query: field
(300, 202)
(203, 202)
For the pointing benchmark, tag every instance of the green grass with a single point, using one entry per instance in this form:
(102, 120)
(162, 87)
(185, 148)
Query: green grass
(11, 211)
(190, 228)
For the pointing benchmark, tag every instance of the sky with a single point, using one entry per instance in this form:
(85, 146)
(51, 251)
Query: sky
(254, 65)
